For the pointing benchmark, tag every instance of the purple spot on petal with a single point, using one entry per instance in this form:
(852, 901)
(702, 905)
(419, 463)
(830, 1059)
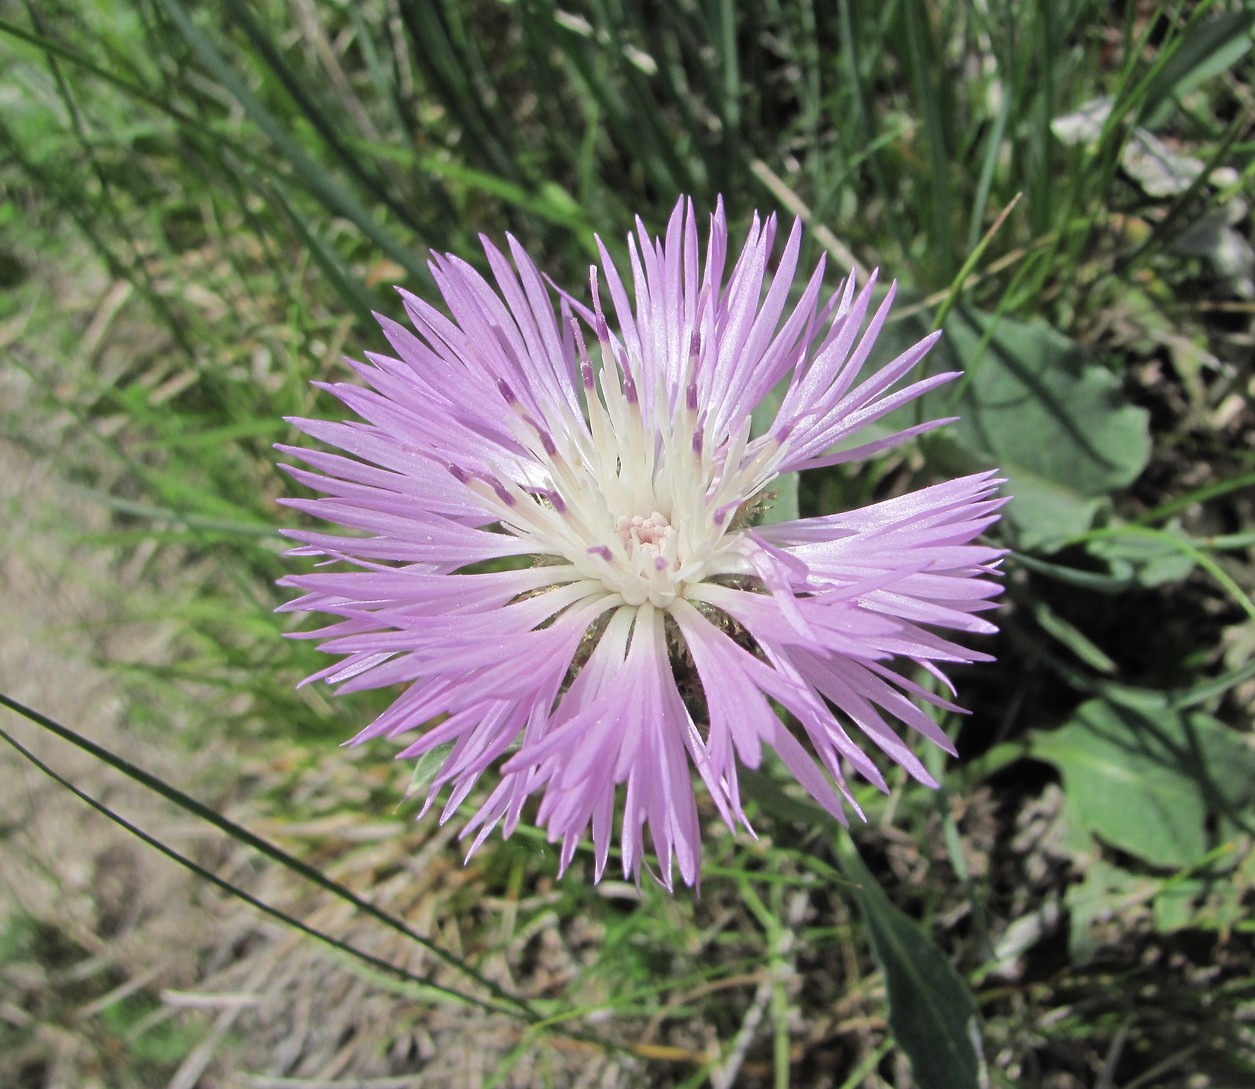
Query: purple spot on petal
(580, 347)
(603, 330)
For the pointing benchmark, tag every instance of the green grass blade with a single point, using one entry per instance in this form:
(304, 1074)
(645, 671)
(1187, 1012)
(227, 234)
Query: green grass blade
(276, 854)
(232, 889)
(304, 99)
(313, 175)
(1205, 49)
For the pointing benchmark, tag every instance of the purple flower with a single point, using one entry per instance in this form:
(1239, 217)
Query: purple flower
(557, 557)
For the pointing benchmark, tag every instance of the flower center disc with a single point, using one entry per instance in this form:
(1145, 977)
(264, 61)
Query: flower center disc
(645, 535)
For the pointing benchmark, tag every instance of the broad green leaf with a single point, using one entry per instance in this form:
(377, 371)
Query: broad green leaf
(931, 1010)
(782, 500)
(1051, 418)
(1152, 782)
(1178, 906)
(1098, 907)
(1213, 902)
(1111, 900)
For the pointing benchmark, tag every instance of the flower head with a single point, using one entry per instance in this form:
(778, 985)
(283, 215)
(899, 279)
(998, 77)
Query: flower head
(553, 546)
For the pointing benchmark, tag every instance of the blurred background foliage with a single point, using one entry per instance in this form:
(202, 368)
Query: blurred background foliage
(202, 205)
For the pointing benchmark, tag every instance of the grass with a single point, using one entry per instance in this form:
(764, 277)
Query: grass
(202, 207)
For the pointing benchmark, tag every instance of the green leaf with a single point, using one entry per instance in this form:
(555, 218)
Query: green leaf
(1051, 418)
(931, 1010)
(1213, 901)
(932, 1013)
(1073, 638)
(1141, 560)
(1110, 900)
(1101, 582)
(1151, 781)
(1101, 905)
(427, 767)
(781, 502)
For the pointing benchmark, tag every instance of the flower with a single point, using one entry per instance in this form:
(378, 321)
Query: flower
(557, 556)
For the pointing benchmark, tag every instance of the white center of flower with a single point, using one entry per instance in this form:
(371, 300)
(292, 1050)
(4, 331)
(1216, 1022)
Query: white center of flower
(629, 495)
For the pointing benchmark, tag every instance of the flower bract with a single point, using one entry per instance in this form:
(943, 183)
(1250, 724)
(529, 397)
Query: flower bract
(551, 542)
